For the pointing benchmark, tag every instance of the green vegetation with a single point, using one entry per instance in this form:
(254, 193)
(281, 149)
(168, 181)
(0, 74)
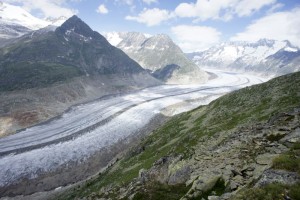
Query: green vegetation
(270, 192)
(158, 191)
(289, 161)
(252, 104)
(180, 134)
(275, 137)
(24, 75)
(296, 146)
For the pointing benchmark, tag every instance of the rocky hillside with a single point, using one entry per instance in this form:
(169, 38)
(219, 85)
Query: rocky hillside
(156, 53)
(264, 57)
(244, 145)
(74, 62)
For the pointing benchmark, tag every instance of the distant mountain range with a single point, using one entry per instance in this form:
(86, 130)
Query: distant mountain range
(264, 57)
(160, 55)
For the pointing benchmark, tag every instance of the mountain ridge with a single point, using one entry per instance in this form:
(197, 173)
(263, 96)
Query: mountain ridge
(252, 57)
(143, 48)
(72, 44)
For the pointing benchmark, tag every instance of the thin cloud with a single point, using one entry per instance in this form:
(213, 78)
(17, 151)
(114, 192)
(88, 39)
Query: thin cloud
(275, 8)
(151, 17)
(149, 1)
(195, 38)
(48, 8)
(278, 26)
(128, 2)
(223, 10)
(102, 9)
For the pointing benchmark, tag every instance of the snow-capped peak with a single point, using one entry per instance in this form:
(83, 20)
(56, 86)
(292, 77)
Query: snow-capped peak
(250, 52)
(290, 49)
(56, 21)
(16, 15)
(115, 38)
(11, 14)
(259, 56)
(265, 42)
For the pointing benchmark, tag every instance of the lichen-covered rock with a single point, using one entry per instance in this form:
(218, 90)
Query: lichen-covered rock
(265, 159)
(278, 176)
(203, 184)
(179, 171)
(143, 175)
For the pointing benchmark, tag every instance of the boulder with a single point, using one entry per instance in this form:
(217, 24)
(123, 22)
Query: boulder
(203, 184)
(277, 176)
(265, 159)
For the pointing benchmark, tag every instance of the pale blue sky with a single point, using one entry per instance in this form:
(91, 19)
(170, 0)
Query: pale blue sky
(193, 24)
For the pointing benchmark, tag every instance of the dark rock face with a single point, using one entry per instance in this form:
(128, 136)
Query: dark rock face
(73, 47)
(95, 54)
(78, 26)
(166, 72)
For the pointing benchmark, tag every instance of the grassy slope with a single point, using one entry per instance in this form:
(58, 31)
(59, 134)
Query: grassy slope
(182, 133)
(24, 75)
(31, 62)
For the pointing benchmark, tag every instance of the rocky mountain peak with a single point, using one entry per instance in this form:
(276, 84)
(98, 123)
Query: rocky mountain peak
(289, 47)
(160, 42)
(170, 63)
(56, 21)
(131, 39)
(266, 42)
(288, 43)
(76, 25)
(162, 37)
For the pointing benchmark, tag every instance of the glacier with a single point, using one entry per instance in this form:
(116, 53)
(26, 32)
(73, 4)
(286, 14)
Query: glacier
(129, 113)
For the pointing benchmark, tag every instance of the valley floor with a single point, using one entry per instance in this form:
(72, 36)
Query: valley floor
(98, 130)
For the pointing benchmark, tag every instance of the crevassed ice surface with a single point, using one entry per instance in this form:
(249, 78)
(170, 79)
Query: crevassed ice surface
(129, 113)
